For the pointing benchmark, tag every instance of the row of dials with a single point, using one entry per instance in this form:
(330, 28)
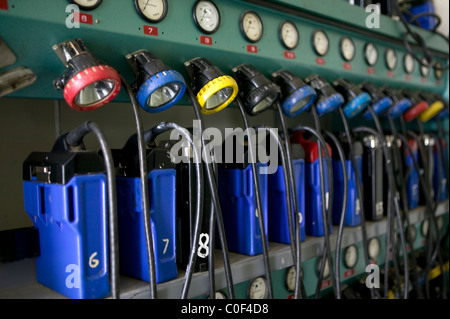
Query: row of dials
(206, 16)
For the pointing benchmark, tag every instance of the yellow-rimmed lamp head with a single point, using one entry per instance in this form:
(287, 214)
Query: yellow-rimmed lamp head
(436, 105)
(214, 90)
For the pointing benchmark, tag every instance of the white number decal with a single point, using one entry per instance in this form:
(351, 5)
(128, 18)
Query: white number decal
(166, 240)
(203, 249)
(92, 261)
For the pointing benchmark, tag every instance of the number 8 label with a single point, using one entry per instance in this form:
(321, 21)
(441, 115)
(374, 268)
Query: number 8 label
(203, 249)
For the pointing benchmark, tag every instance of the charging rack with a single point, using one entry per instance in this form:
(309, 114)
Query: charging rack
(31, 30)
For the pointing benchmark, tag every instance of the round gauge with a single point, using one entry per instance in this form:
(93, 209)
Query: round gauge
(374, 248)
(86, 4)
(424, 69)
(347, 49)
(425, 227)
(288, 34)
(391, 59)
(411, 234)
(290, 278)
(438, 73)
(371, 54)
(251, 26)
(258, 288)
(440, 223)
(151, 10)
(326, 270)
(206, 16)
(320, 42)
(351, 256)
(220, 295)
(408, 63)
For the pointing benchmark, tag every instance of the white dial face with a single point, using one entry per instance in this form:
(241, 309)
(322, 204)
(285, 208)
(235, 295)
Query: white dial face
(289, 35)
(425, 227)
(207, 16)
(440, 223)
(351, 256)
(438, 71)
(320, 42)
(290, 278)
(408, 63)
(347, 49)
(258, 289)
(391, 59)
(326, 270)
(153, 10)
(374, 248)
(251, 26)
(371, 54)
(220, 295)
(411, 233)
(87, 3)
(424, 70)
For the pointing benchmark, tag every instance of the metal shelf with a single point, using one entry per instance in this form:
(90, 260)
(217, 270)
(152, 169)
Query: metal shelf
(18, 279)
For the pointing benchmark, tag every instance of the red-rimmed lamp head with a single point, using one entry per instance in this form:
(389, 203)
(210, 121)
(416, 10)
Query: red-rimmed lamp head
(419, 105)
(87, 83)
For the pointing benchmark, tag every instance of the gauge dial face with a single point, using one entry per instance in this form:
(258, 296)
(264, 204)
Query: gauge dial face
(151, 10)
(289, 35)
(347, 48)
(290, 278)
(425, 227)
(411, 233)
(251, 26)
(86, 4)
(440, 223)
(371, 54)
(424, 69)
(326, 270)
(408, 63)
(220, 295)
(438, 73)
(206, 16)
(351, 256)
(374, 248)
(258, 288)
(320, 42)
(391, 59)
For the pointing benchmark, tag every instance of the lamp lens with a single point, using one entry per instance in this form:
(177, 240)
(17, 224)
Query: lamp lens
(95, 92)
(218, 98)
(163, 95)
(300, 104)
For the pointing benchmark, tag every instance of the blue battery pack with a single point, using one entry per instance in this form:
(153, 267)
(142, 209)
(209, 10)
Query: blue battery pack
(68, 207)
(162, 205)
(353, 212)
(412, 181)
(314, 225)
(278, 219)
(238, 203)
(439, 178)
(132, 245)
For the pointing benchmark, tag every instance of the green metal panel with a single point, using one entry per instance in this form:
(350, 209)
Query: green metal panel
(31, 28)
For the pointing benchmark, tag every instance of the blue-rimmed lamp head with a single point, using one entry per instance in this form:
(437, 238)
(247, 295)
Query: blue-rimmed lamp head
(380, 102)
(297, 96)
(355, 99)
(257, 92)
(328, 99)
(158, 86)
(400, 103)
